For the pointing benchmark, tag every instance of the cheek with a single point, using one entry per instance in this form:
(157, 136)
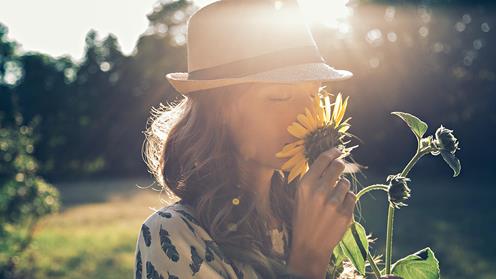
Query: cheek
(261, 136)
(270, 137)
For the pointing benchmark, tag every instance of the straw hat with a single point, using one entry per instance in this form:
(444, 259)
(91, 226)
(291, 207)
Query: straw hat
(239, 41)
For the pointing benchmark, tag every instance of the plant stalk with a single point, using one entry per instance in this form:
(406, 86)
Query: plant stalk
(390, 218)
(374, 267)
(389, 238)
(370, 188)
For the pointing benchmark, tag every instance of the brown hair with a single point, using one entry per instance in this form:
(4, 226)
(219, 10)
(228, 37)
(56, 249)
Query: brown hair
(190, 152)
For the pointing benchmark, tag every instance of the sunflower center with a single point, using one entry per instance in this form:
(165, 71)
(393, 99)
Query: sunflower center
(320, 140)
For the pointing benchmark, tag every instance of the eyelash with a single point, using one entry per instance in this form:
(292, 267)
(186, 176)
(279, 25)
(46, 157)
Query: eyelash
(281, 99)
(312, 95)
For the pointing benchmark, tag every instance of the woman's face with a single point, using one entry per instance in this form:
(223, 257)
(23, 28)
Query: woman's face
(260, 115)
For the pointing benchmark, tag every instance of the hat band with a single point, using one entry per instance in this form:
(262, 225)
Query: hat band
(261, 63)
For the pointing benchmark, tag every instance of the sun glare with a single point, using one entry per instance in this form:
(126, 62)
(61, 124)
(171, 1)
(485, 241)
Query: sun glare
(331, 13)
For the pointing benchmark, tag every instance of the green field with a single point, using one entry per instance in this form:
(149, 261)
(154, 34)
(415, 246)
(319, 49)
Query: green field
(95, 233)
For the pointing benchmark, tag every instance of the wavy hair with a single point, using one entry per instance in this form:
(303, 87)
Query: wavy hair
(191, 154)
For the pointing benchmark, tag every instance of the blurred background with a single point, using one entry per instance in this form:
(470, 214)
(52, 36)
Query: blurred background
(78, 80)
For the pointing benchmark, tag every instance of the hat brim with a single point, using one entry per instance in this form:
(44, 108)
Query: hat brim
(291, 74)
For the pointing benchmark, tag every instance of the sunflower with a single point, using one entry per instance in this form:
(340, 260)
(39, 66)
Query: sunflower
(318, 129)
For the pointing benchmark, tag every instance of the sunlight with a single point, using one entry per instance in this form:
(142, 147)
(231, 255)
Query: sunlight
(332, 14)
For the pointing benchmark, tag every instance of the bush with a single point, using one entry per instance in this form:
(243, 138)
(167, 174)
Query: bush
(24, 196)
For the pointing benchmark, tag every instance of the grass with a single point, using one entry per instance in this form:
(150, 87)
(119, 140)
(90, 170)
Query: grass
(94, 235)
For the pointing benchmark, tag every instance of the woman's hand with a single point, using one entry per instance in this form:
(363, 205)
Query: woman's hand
(323, 212)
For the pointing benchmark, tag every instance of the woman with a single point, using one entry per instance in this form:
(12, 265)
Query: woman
(252, 67)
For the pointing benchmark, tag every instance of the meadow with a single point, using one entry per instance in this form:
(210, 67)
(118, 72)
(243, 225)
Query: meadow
(94, 235)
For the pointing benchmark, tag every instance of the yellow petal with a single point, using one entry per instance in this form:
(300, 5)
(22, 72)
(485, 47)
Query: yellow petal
(293, 161)
(289, 147)
(297, 130)
(321, 116)
(304, 169)
(342, 111)
(289, 152)
(327, 103)
(316, 101)
(292, 175)
(310, 119)
(344, 128)
(294, 143)
(295, 171)
(347, 119)
(304, 121)
(337, 107)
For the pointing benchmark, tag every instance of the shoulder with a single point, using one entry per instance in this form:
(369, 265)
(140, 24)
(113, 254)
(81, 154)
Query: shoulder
(171, 241)
(177, 221)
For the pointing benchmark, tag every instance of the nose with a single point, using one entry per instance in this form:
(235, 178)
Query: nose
(308, 102)
(306, 97)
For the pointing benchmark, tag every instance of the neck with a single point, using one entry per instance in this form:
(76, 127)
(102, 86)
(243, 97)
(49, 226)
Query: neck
(257, 179)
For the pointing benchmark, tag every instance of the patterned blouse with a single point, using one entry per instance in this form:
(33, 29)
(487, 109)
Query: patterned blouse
(172, 244)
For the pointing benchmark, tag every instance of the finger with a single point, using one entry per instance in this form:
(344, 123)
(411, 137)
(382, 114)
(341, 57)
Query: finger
(332, 173)
(320, 164)
(348, 205)
(338, 193)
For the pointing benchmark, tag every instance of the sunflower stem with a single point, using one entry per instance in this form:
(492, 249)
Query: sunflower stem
(374, 267)
(370, 188)
(390, 218)
(389, 238)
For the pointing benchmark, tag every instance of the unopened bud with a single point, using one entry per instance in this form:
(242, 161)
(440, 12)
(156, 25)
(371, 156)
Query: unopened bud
(398, 190)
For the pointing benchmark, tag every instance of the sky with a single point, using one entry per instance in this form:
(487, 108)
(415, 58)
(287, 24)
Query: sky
(58, 27)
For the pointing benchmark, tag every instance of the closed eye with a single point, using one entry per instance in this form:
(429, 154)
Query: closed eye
(280, 99)
(281, 96)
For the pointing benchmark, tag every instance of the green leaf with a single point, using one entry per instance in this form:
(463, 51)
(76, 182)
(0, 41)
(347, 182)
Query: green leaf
(418, 126)
(423, 264)
(338, 255)
(452, 161)
(356, 252)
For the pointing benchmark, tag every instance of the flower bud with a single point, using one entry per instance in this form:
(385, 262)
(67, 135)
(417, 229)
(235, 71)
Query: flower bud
(445, 140)
(398, 191)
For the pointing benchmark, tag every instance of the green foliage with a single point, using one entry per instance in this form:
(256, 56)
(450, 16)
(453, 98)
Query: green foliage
(355, 251)
(447, 145)
(418, 126)
(452, 161)
(336, 264)
(24, 196)
(94, 109)
(422, 264)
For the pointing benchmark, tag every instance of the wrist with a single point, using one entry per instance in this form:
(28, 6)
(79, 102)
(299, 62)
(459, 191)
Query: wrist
(307, 266)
